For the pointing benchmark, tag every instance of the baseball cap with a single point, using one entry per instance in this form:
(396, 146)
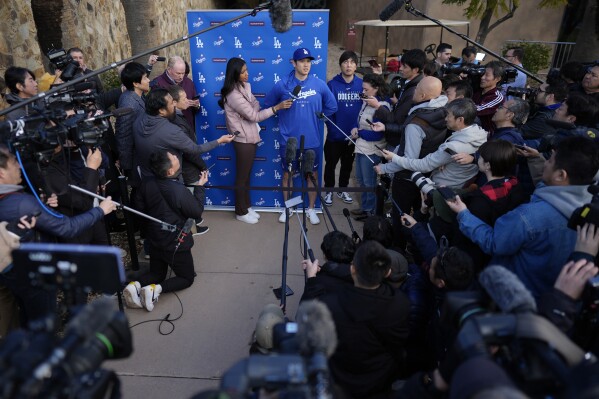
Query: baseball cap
(302, 53)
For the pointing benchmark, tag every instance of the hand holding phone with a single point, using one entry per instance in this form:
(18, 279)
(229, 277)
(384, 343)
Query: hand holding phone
(374, 64)
(369, 122)
(450, 151)
(161, 59)
(447, 193)
(24, 225)
(364, 96)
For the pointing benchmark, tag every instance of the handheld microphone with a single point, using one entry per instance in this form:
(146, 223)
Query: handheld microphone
(281, 15)
(354, 234)
(308, 165)
(391, 9)
(506, 290)
(296, 91)
(117, 112)
(320, 115)
(290, 151)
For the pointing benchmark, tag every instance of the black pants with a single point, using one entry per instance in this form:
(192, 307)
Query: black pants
(333, 152)
(34, 302)
(244, 159)
(182, 265)
(407, 195)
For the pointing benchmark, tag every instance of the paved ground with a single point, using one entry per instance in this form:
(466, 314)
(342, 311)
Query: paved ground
(237, 267)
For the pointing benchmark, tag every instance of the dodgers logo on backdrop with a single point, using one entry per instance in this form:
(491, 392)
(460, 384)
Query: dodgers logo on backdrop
(317, 61)
(260, 143)
(317, 43)
(203, 94)
(226, 201)
(277, 145)
(205, 126)
(298, 42)
(260, 173)
(277, 60)
(225, 172)
(318, 23)
(238, 43)
(277, 159)
(220, 112)
(199, 42)
(201, 78)
(261, 202)
(206, 157)
(237, 24)
(276, 78)
(208, 201)
(203, 111)
(201, 59)
(220, 77)
(259, 77)
(277, 175)
(219, 41)
(277, 203)
(257, 42)
(198, 23)
(275, 128)
(277, 43)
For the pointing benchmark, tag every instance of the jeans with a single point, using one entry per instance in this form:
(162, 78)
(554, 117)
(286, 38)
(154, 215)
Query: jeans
(366, 177)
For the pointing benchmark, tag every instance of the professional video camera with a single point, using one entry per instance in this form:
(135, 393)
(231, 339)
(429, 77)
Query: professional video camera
(474, 72)
(63, 61)
(35, 364)
(530, 93)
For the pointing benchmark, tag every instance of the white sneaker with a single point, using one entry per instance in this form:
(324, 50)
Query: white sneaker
(284, 215)
(131, 295)
(312, 216)
(247, 218)
(328, 199)
(149, 295)
(345, 197)
(253, 213)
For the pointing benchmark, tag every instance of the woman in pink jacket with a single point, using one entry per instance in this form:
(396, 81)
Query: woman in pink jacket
(242, 113)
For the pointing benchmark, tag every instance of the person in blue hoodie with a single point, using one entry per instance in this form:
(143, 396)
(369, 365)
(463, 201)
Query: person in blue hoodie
(346, 88)
(302, 119)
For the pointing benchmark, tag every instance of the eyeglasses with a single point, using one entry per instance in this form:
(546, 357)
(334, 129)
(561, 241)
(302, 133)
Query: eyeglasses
(504, 107)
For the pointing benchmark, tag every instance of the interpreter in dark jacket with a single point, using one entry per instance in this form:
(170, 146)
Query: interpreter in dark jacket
(371, 319)
(166, 199)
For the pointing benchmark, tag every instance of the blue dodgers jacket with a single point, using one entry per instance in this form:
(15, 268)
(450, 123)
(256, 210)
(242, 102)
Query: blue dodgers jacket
(348, 106)
(533, 240)
(301, 118)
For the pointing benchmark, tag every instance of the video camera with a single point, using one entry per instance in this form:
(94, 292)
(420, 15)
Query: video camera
(63, 61)
(474, 72)
(530, 93)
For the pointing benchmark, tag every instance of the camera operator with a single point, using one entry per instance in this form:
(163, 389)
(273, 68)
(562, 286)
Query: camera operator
(77, 54)
(488, 98)
(371, 319)
(515, 55)
(590, 82)
(14, 204)
(22, 85)
(534, 240)
(548, 99)
(443, 56)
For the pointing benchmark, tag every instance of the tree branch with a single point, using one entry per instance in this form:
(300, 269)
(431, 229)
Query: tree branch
(503, 19)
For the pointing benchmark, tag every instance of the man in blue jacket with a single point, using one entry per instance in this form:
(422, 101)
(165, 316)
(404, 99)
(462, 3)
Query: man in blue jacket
(301, 119)
(534, 240)
(346, 88)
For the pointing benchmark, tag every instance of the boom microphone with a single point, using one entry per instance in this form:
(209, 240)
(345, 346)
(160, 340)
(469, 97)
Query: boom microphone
(506, 290)
(295, 92)
(290, 151)
(117, 112)
(391, 9)
(308, 165)
(281, 15)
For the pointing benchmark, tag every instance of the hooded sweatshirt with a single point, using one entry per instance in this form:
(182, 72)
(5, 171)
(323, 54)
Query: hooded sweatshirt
(452, 175)
(301, 119)
(348, 106)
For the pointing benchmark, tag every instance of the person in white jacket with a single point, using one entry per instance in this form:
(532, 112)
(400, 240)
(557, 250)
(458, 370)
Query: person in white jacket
(242, 114)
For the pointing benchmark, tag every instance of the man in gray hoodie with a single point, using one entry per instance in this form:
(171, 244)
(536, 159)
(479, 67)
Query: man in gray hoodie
(467, 138)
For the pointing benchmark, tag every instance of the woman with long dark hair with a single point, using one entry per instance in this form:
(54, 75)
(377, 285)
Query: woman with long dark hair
(242, 113)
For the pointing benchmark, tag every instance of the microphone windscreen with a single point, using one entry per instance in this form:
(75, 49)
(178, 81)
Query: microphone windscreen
(281, 15)
(290, 150)
(296, 90)
(391, 9)
(122, 111)
(309, 159)
(506, 290)
(346, 212)
(315, 328)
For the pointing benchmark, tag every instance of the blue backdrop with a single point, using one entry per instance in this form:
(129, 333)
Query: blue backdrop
(267, 54)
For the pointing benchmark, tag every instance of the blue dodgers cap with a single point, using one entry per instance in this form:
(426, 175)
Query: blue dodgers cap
(302, 53)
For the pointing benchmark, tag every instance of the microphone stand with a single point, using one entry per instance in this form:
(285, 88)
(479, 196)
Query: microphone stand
(300, 168)
(325, 208)
(414, 11)
(115, 64)
(385, 193)
(354, 234)
(308, 252)
(322, 115)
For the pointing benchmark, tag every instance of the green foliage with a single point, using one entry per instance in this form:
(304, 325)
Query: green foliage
(476, 8)
(110, 79)
(537, 56)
